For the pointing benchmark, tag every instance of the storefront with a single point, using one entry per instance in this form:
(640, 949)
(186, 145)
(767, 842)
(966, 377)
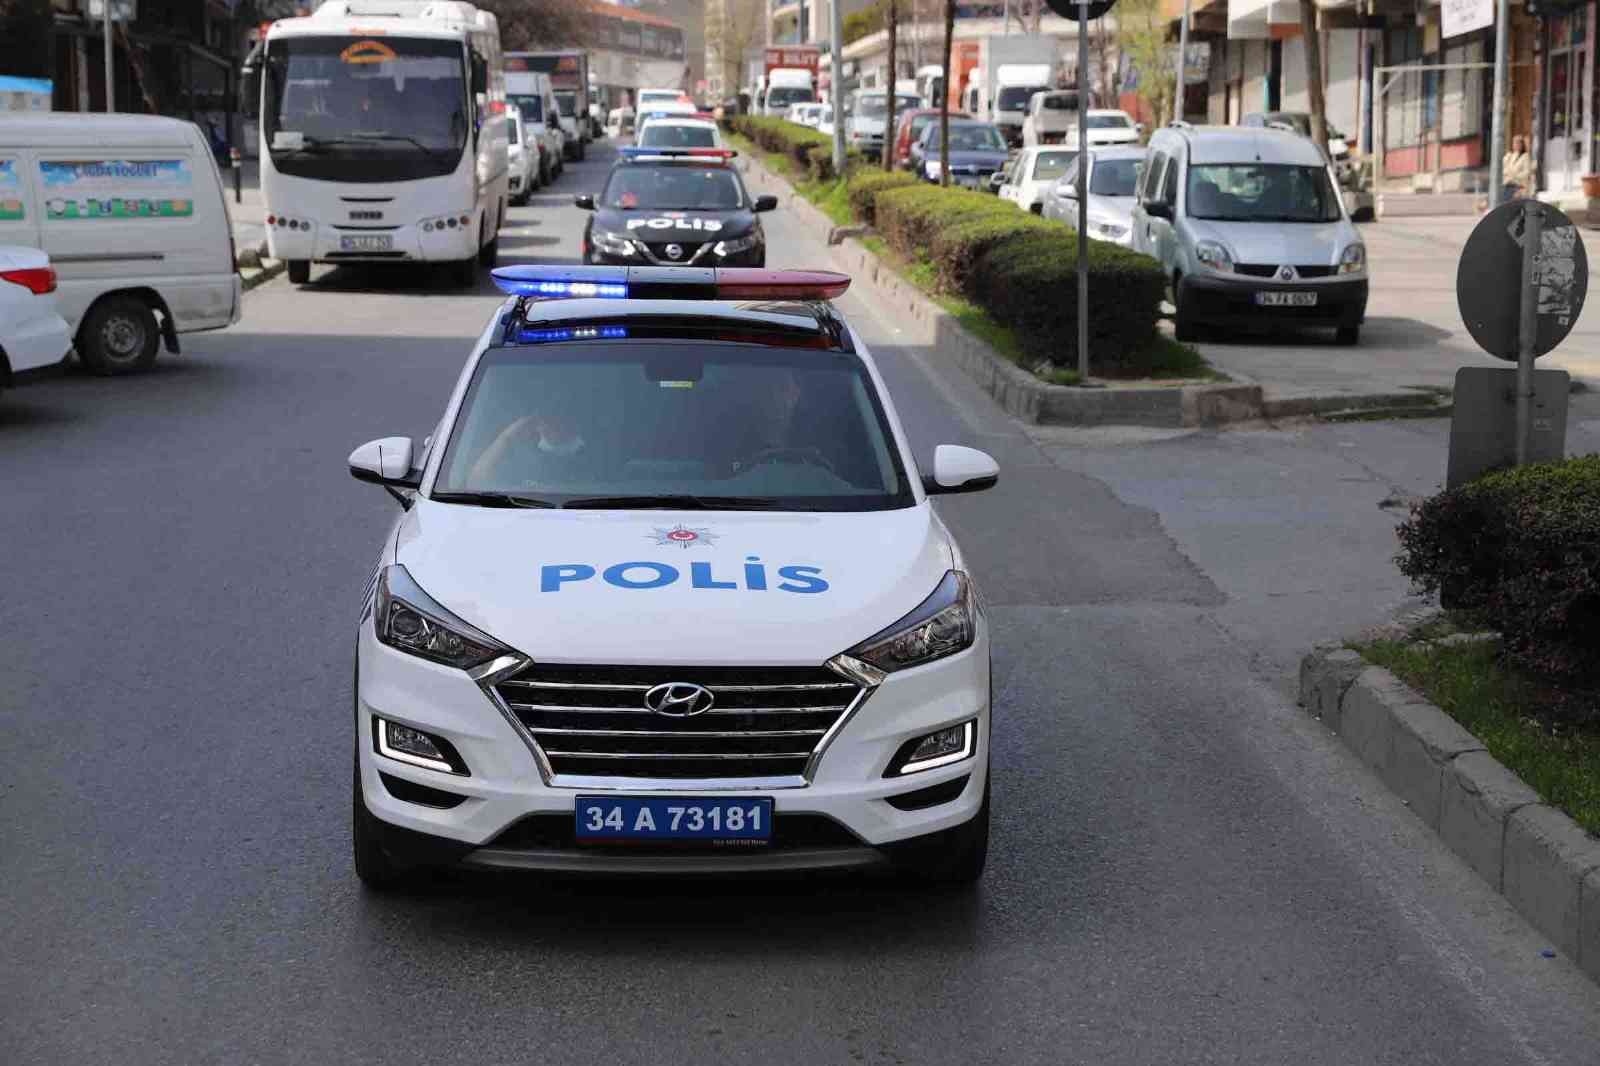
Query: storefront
(1566, 100)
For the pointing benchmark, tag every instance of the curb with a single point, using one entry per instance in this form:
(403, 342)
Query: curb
(1544, 864)
(251, 277)
(1020, 393)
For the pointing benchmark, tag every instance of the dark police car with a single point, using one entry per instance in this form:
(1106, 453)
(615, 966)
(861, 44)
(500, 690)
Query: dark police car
(675, 207)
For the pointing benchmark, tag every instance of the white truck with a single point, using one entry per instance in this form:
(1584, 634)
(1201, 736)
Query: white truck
(1010, 70)
(1049, 117)
(784, 86)
(383, 136)
(568, 69)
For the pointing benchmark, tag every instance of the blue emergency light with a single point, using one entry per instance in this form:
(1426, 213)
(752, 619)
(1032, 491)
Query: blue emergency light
(677, 153)
(668, 283)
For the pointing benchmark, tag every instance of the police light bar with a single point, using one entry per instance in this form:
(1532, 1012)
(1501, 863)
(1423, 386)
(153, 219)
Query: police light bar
(677, 153)
(668, 283)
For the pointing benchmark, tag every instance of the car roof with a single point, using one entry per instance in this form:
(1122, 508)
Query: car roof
(1110, 111)
(1236, 144)
(76, 130)
(1118, 151)
(785, 323)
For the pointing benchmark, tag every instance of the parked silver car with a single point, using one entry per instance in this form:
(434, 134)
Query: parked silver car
(1113, 178)
(1249, 226)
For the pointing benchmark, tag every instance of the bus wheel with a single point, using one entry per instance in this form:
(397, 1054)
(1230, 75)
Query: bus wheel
(299, 271)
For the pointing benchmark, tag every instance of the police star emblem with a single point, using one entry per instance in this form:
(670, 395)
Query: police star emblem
(683, 537)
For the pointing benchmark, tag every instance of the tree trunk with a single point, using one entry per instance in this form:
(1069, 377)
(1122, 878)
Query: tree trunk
(894, 72)
(1319, 107)
(944, 99)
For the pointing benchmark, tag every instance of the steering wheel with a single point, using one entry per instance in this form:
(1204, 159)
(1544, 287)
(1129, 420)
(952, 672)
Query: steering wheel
(806, 456)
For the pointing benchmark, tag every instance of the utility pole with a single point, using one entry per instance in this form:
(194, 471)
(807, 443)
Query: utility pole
(835, 50)
(111, 85)
(894, 78)
(1497, 125)
(1183, 66)
(944, 97)
(1319, 106)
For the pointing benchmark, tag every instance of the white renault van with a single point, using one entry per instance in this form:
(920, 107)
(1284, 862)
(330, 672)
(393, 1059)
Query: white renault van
(130, 209)
(1249, 227)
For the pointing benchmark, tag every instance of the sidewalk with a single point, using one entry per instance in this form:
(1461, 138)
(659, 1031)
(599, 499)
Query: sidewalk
(247, 214)
(1413, 338)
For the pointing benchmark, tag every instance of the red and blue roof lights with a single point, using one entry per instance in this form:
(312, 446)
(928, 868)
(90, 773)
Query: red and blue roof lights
(669, 283)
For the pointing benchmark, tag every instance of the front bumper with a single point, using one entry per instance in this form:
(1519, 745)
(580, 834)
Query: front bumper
(510, 816)
(324, 243)
(1232, 301)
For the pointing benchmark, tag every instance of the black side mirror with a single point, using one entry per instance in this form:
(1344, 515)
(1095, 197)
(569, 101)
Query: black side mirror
(764, 203)
(584, 200)
(1158, 209)
(480, 74)
(250, 91)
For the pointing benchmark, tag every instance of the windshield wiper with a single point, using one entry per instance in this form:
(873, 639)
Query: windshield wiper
(376, 136)
(684, 502)
(490, 499)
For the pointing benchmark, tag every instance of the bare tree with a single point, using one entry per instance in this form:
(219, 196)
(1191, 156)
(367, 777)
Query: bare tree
(526, 24)
(944, 97)
(894, 76)
(740, 27)
(1319, 107)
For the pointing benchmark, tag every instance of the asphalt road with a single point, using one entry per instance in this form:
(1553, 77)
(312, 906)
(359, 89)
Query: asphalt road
(1185, 868)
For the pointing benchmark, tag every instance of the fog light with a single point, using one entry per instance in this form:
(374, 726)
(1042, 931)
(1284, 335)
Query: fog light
(427, 227)
(465, 221)
(948, 745)
(413, 746)
(451, 223)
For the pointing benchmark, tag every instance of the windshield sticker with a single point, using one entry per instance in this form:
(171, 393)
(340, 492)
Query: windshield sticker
(368, 52)
(288, 140)
(11, 209)
(682, 536)
(102, 188)
(652, 575)
(707, 225)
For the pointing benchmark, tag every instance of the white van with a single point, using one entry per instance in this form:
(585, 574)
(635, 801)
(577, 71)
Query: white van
(130, 209)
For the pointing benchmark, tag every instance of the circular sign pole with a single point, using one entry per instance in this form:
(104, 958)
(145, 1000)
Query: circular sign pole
(1083, 193)
(1528, 326)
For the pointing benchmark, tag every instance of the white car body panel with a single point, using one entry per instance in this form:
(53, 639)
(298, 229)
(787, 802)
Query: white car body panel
(32, 332)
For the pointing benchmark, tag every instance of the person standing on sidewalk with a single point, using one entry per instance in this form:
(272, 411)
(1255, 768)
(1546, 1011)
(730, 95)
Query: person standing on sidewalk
(1516, 168)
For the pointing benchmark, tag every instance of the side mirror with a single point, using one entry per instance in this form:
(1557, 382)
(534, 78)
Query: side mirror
(1158, 209)
(958, 469)
(385, 462)
(584, 200)
(250, 91)
(764, 203)
(997, 179)
(480, 74)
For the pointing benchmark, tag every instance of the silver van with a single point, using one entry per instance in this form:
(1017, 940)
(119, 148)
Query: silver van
(1249, 226)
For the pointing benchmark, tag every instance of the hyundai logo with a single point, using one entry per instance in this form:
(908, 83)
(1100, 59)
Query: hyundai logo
(679, 699)
(674, 251)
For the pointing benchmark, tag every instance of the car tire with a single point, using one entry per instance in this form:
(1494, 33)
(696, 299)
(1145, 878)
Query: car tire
(119, 336)
(960, 854)
(377, 871)
(299, 271)
(583, 150)
(1347, 335)
(1184, 326)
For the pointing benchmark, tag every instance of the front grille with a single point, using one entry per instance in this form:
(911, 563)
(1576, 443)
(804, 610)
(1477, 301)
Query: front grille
(660, 251)
(592, 720)
(1268, 270)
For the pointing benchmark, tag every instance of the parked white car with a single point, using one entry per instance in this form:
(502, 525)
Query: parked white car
(1109, 126)
(675, 132)
(523, 158)
(1031, 173)
(1249, 226)
(805, 114)
(1113, 180)
(541, 119)
(130, 210)
(32, 331)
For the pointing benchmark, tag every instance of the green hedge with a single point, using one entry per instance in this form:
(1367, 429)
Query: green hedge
(867, 183)
(808, 149)
(1022, 269)
(1521, 548)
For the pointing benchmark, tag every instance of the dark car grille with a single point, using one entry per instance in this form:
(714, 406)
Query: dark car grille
(1268, 270)
(660, 250)
(592, 721)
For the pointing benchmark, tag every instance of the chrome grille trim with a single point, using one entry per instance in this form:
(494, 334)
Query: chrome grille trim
(589, 728)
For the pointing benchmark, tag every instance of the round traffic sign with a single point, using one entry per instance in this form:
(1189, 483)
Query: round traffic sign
(1489, 279)
(1079, 12)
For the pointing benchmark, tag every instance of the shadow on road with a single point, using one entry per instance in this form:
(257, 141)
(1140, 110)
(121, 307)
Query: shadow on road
(1377, 330)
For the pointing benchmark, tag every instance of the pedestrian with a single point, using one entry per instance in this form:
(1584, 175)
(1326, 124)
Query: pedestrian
(1516, 169)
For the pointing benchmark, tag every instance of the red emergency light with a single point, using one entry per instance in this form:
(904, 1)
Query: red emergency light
(759, 283)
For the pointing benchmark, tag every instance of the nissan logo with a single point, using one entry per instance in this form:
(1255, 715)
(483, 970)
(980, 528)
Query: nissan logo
(674, 251)
(679, 699)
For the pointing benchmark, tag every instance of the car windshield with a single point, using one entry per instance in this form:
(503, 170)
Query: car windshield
(665, 135)
(1016, 97)
(365, 109)
(1110, 122)
(783, 96)
(877, 105)
(1114, 177)
(1261, 192)
(673, 187)
(532, 107)
(731, 425)
(566, 102)
(1060, 102)
(1052, 164)
(969, 138)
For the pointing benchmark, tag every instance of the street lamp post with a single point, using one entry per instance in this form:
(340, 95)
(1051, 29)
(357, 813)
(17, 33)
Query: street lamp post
(836, 33)
(111, 87)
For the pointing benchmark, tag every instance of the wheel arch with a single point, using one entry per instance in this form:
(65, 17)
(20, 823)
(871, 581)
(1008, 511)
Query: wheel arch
(152, 298)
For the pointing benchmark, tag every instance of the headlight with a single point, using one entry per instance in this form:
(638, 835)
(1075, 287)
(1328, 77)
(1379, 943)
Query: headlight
(1354, 259)
(1214, 256)
(943, 624)
(735, 245)
(407, 619)
(611, 244)
(1109, 231)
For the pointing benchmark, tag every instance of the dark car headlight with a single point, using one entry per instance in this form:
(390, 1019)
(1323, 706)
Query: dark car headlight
(611, 243)
(408, 620)
(941, 625)
(735, 245)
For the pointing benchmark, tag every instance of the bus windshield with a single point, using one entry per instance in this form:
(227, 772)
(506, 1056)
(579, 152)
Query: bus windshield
(365, 109)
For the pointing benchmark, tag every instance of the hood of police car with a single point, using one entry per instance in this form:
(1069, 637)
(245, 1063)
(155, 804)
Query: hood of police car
(674, 587)
(683, 227)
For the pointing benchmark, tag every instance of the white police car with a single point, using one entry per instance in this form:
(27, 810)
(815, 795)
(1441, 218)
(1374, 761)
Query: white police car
(667, 595)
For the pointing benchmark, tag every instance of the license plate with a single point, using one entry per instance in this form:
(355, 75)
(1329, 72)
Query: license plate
(1286, 299)
(719, 821)
(381, 242)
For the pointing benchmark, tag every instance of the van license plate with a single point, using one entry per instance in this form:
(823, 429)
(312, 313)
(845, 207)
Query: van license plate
(1286, 299)
(380, 242)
